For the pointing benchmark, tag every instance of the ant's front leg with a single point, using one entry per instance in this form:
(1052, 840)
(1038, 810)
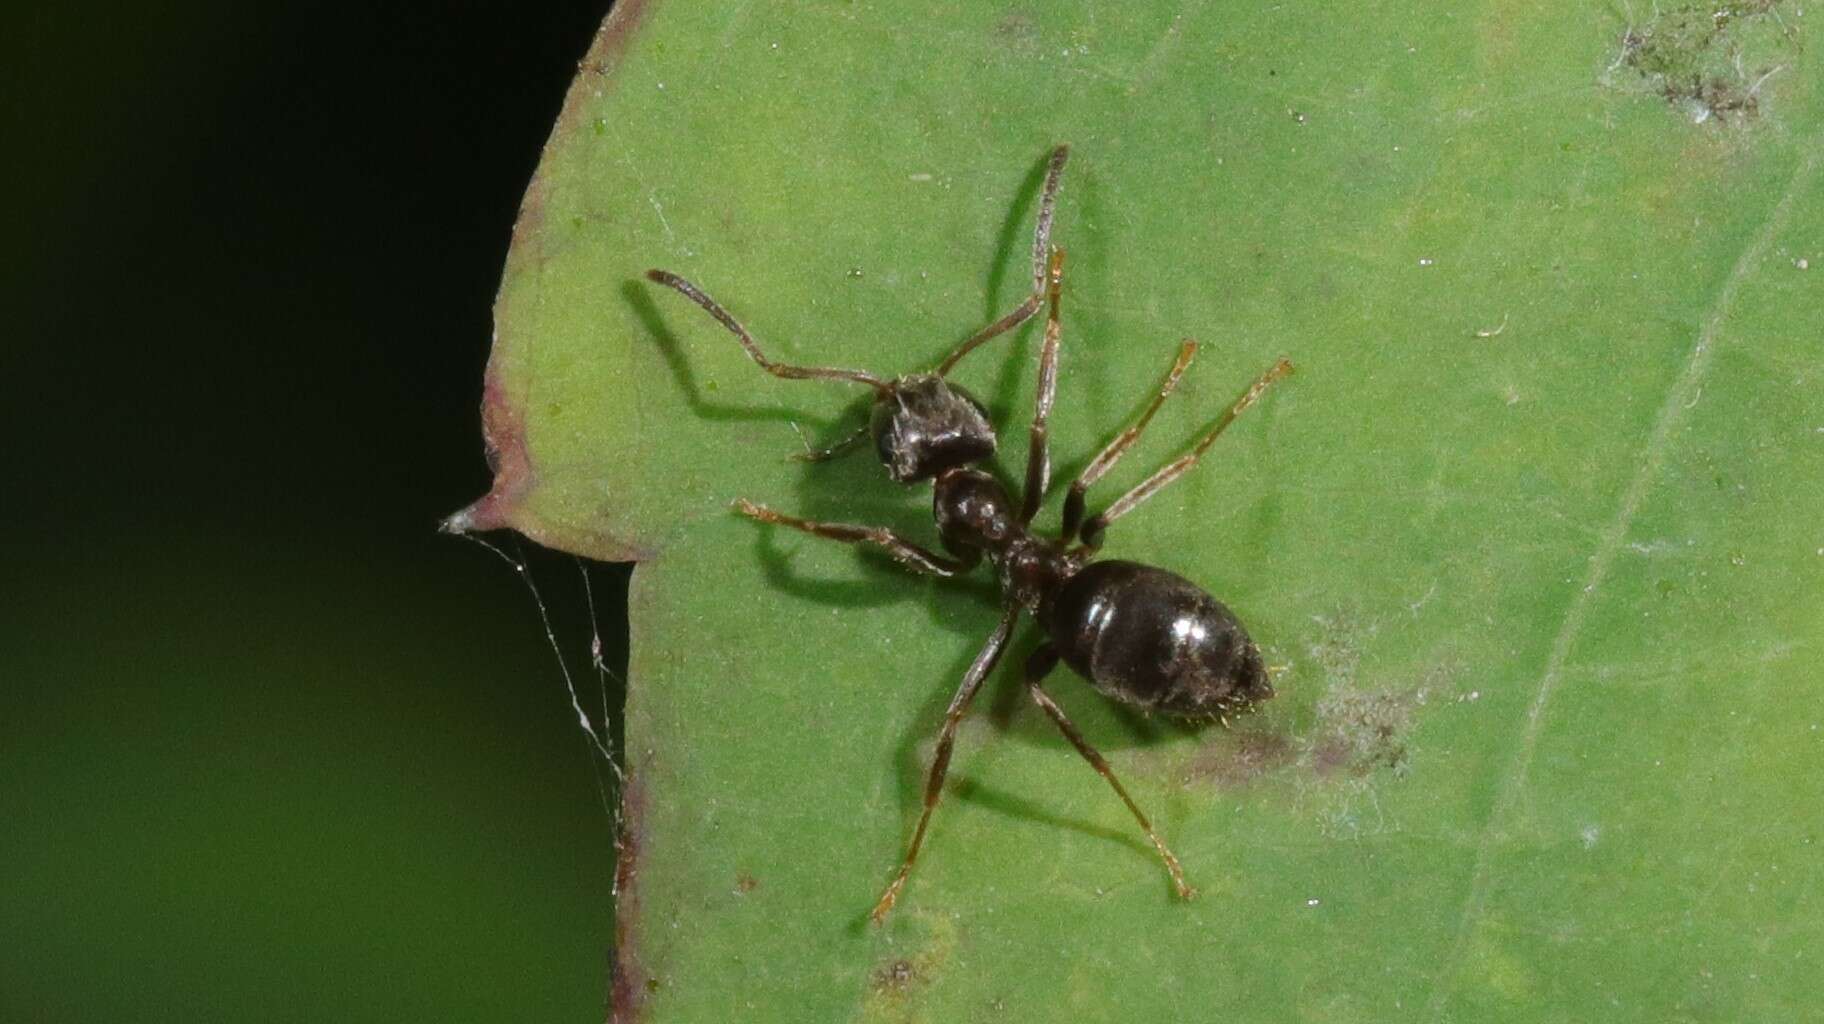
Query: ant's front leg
(1038, 457)
(904, 552)
(1041, 252)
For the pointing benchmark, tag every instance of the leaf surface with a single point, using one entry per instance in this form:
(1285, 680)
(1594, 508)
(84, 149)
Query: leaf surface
(1532, 535)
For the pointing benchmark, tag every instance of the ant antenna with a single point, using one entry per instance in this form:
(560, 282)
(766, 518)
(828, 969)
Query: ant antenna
(710, 306)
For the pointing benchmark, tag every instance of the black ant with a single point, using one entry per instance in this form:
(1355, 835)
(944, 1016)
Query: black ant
(1139, 634)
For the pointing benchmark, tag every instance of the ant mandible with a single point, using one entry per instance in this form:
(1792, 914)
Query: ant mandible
(1141, 635)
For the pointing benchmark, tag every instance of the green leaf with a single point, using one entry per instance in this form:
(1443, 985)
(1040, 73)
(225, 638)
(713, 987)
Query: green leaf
(1533, 532)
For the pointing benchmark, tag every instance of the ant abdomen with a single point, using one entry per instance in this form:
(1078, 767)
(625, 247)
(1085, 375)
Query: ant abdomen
(1155, 640)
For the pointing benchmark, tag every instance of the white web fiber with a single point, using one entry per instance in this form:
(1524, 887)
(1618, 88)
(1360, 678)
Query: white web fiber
(597, 731)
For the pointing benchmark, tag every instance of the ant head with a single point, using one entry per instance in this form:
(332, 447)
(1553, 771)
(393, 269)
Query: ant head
(924, 425)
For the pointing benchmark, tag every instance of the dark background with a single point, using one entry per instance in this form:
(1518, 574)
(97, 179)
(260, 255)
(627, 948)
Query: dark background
(272, 748)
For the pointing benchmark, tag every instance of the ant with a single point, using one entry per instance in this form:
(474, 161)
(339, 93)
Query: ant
(1141, 635)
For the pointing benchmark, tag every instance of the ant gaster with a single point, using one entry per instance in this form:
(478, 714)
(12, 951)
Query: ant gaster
(1141, 635)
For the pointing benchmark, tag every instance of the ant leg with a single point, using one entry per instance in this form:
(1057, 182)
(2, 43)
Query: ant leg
(1041, 231)
(1092, 530)
(1106, 458)
(1041, 663)
(940, 760)
(710, 306)
(903, 551)
(842, 447)
(1038, 457)
(993, 330)
(1041, 249)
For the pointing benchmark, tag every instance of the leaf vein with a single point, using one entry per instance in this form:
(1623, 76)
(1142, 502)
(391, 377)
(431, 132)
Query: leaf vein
(1680, 397)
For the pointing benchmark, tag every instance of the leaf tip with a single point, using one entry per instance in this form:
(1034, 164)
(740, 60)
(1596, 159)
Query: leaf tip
(475, 517)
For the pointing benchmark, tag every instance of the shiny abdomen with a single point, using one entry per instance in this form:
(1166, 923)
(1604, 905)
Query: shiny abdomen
(1155, 640)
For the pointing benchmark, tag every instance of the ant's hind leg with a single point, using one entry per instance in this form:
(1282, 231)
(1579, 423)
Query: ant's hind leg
(1038, 666)
(940, 759)
(1092, 530)
(905, 552)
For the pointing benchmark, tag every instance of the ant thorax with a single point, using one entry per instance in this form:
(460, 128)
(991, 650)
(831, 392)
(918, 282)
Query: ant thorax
(974, 513)
(923, 425)
(1031, 568)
